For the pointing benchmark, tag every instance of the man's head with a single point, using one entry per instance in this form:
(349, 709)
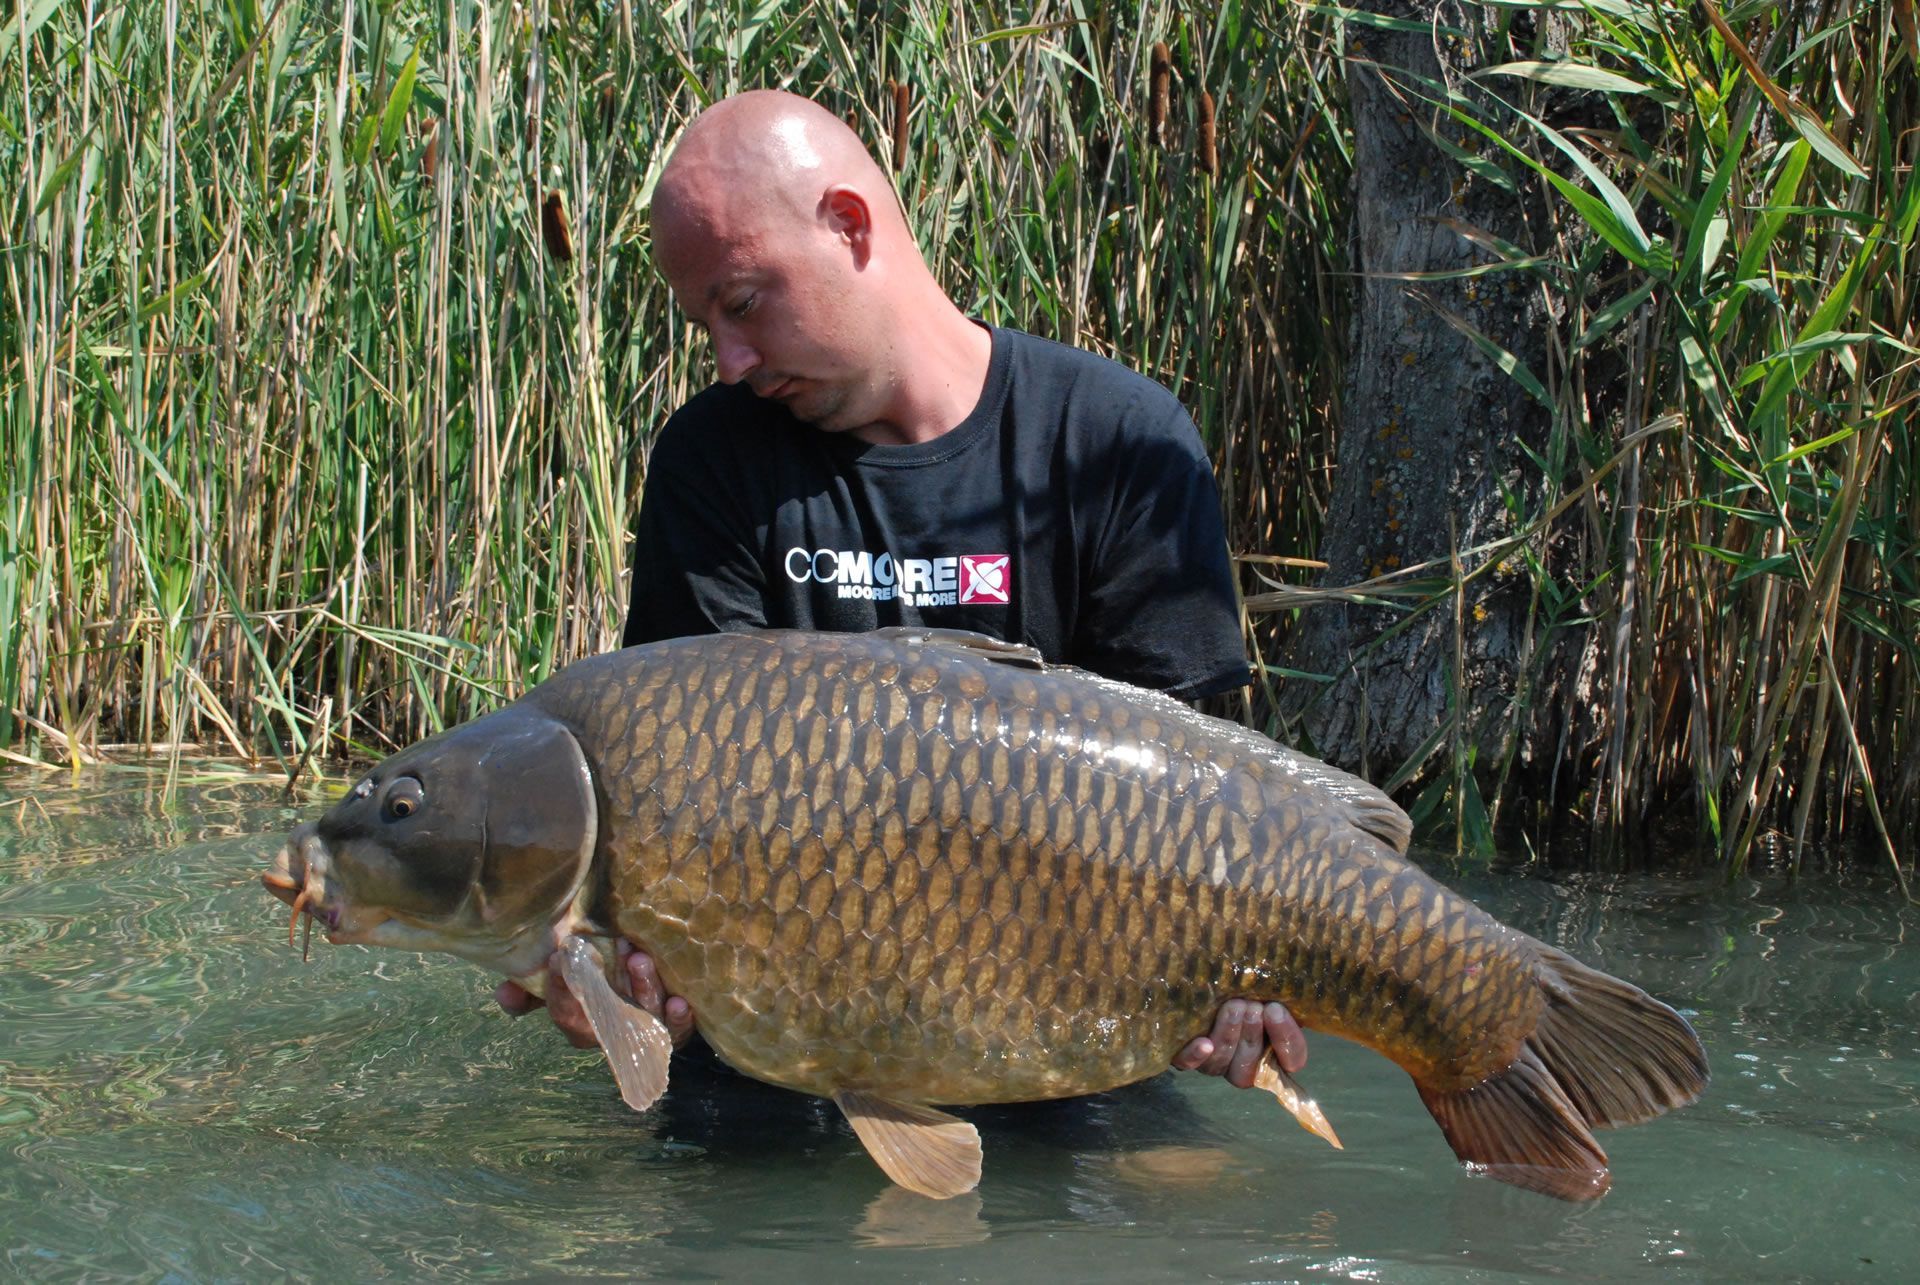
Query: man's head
(782, 238)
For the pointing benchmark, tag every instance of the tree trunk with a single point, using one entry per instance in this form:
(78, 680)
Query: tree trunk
(1430, 456)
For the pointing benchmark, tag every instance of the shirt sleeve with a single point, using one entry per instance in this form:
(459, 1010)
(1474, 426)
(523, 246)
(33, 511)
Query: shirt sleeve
(696, 567)
(1161, 609)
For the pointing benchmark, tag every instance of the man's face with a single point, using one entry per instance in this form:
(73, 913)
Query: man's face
(781, 299)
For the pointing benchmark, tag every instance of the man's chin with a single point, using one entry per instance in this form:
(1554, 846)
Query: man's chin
(826, 413)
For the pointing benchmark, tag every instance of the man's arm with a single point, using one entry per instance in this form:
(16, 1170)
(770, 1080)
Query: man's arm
(1160, 607)
(696, 567)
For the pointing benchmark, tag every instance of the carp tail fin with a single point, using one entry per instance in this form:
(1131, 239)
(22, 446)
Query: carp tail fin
(1519, 1127)
(1604, 1053)
(1622, 1055)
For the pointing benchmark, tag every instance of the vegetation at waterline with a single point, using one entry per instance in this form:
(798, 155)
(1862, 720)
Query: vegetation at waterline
(329, 347)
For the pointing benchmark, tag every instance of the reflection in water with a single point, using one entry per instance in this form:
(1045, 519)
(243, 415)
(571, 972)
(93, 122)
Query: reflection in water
(899, 1219)
(179, 1096)
(1161, 1167)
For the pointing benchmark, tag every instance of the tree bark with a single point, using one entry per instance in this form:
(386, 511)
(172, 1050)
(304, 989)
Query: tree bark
(1430, 456)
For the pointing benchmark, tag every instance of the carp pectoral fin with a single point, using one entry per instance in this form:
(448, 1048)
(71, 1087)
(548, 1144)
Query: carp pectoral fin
(1274, 1079)
(636, 1042)
(925, 1151)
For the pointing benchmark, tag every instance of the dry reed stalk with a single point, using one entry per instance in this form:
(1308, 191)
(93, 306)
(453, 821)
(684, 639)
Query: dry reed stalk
(1903, 17)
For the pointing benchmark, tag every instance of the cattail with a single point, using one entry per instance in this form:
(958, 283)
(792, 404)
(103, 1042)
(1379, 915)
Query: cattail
(1159, 86)
(1209, 156)
(853, 121)
(530, 95)
(1099, 152)
(430, 156)
(553, 226)
(902, 95)
(608, 101)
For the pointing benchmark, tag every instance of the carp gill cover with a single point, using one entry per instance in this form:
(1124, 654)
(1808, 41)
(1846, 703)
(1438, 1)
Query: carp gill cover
(915, 868)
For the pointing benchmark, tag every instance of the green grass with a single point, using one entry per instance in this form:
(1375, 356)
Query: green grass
(312, 445)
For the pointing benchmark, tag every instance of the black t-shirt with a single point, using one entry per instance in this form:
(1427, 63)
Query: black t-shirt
(1074, 510)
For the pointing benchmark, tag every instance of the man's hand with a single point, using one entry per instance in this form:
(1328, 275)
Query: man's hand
(642, 980)
(1242, 1030)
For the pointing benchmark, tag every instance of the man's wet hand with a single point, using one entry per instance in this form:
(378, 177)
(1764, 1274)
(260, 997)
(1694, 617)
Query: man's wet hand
(1243, 1029)
(643, 981)
(642, 984)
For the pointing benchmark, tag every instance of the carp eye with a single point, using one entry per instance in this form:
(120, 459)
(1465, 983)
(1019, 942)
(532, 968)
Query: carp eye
(403, 799)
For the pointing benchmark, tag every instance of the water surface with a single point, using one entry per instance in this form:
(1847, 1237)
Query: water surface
(181, 1097)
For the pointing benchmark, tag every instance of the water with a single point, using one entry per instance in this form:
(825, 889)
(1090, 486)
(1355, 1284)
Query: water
(181, 1098)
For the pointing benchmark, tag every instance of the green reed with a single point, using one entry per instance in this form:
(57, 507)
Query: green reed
(310, 420)
(1734, 249)
(314, 443)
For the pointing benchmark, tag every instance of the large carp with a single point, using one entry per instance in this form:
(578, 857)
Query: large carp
(915, 868)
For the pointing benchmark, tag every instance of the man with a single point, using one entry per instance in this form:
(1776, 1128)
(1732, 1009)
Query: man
(871, 456)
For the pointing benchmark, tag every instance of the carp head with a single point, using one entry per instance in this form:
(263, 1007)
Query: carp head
(476, 842)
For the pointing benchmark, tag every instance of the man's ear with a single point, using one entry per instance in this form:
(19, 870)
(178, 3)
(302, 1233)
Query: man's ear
(850, 218)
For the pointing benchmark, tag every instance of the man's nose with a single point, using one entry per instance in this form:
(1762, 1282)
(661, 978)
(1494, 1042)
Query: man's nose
(735, 359)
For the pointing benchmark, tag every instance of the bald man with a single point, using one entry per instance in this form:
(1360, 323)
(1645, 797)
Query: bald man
(872, 456)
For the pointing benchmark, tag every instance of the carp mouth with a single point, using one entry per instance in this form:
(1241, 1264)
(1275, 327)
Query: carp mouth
(298, 876)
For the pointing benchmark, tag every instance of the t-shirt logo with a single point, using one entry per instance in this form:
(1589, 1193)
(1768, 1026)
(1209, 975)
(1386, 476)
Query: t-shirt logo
(986, 578)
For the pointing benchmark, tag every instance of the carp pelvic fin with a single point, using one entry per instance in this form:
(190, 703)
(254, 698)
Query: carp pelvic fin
(1274, 1079)
(636, 1042)
(923, 1150)
(1604, 1053)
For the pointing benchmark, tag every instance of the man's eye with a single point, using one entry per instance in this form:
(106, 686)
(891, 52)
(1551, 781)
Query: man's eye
(744, 307)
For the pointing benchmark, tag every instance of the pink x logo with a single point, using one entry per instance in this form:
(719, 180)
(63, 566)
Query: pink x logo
(986, 578)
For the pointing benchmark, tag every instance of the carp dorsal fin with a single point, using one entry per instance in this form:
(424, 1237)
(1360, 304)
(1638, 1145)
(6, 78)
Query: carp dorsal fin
(923, 1150)
(636, 1042)
(1366, 806)
(978, 645)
